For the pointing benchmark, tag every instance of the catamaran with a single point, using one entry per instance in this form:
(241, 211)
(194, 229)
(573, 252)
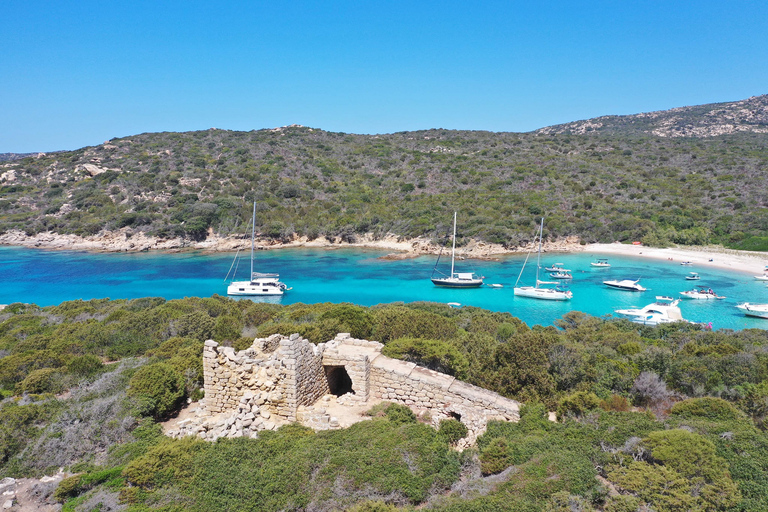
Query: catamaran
(456, 279)
(537, 292)
(260, 283)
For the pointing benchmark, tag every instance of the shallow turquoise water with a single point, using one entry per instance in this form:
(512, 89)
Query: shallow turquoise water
(361, 277)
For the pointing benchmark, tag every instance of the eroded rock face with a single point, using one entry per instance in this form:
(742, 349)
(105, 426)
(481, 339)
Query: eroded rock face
(282, 379)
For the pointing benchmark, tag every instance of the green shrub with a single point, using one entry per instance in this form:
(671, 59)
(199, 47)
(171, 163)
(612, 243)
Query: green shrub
(78, 484)
(436, 355)
(715, 409)
(495, 457)
(45, 380)
(159, 387)
(84, 366)
(67, 488)
(227, 328)
(577, 404)
(356, 320)
(392, 322)
(400, 414)
(452, 430)
(168, 462)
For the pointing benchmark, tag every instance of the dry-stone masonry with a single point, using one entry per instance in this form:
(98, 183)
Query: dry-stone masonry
(283, 379)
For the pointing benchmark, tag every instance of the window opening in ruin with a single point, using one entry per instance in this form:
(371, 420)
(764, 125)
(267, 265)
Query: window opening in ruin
(455, 415)
(338, 379)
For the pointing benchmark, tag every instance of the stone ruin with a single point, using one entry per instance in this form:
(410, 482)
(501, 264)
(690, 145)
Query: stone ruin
(285, 379)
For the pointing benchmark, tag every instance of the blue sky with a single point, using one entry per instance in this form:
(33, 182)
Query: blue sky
(76, 74)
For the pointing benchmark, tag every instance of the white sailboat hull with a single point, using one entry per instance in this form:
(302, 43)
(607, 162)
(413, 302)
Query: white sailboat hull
(542, 293)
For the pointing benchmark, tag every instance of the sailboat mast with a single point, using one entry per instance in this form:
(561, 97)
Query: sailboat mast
(538, 260)
(253, 235)
(453, 250)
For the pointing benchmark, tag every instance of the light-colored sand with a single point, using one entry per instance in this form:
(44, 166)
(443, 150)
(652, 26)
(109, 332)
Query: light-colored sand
(739, 261)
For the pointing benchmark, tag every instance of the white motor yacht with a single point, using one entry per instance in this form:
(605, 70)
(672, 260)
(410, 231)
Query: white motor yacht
(601, 263)
(663, 311)
(702, 292)
(756, 310)
(625, 284)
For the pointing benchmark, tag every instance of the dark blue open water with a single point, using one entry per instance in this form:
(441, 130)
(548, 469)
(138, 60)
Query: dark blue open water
(361, 277)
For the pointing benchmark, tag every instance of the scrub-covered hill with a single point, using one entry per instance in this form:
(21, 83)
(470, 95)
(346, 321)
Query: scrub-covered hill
(610, 184)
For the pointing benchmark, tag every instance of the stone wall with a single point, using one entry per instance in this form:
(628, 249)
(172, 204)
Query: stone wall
(270, 382)
(278, 374)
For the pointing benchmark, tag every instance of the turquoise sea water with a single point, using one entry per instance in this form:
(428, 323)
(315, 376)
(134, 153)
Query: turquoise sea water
(361, 277)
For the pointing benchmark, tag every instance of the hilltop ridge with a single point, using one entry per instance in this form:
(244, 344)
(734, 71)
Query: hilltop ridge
(711, 120)
(617, 182)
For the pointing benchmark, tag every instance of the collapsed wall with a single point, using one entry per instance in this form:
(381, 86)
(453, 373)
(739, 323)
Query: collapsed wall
(279, 379)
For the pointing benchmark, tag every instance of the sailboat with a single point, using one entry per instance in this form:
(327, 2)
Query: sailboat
(456, 279)
(260, 283)
(537, 292)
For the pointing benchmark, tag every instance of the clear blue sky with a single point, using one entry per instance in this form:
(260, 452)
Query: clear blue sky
(75, 74)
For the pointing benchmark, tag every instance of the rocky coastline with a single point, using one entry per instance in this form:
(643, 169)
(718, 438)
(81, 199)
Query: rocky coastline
(126, 241)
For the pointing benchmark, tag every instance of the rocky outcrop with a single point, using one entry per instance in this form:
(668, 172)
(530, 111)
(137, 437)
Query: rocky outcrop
(712, 120)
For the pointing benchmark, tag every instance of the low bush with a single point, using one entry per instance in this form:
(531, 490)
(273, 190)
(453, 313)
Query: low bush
(715, 409)
(577, 404)
(452, 430)
(159, 388)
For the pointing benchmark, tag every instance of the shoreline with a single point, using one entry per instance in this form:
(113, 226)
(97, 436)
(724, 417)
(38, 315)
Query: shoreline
(125, 241)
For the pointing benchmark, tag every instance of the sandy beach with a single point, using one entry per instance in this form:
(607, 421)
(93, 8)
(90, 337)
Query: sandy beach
(711, 256)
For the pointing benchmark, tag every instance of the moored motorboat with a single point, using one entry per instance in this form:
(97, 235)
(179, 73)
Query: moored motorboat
(701, 293)
(693, 276)
(663, 311)
(561, 275)
(763, 277)
(755, 310)
(556, 267)
(686, 263)
(601, 263)
(625, 284)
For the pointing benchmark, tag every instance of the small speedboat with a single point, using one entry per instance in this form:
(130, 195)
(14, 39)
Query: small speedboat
(563, 274)
(496, 285)
(692, 276)
(756, 310)
(625, 284)
(601, 263)
(701, 293)
(663, 311)
(763, 277)
(556, 267)
(686, 263)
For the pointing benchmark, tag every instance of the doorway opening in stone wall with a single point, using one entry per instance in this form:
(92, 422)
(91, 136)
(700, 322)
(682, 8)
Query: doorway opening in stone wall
(338, 379)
